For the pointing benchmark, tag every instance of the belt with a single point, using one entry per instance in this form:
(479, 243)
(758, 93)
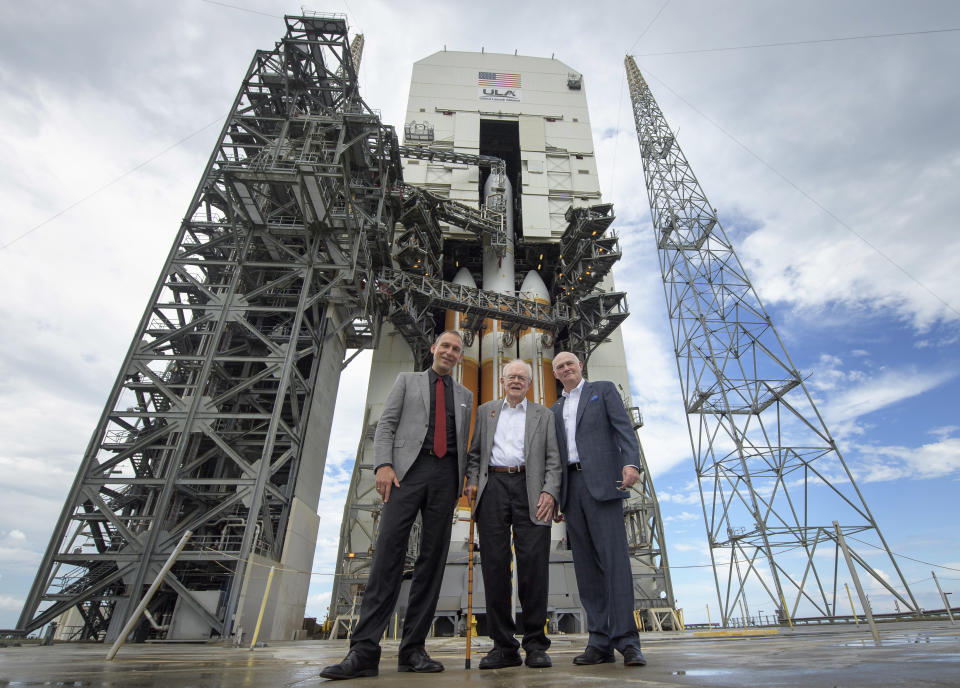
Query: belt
(507, 469)
(432, 455)
(575, 466)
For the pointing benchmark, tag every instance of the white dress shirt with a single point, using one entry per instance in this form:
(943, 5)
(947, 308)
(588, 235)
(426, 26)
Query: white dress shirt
(570, 407)
(508, 439)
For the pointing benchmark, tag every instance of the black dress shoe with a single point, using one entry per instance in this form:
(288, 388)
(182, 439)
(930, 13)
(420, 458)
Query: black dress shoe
(593, 655)
(538, 659)
(353, 666)
(419, 661)
(498, 658)
(633, 657)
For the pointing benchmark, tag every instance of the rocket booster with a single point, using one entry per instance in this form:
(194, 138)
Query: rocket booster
(536, 345)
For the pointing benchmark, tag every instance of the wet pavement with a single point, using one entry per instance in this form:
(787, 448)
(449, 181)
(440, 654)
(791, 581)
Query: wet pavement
(910, 654)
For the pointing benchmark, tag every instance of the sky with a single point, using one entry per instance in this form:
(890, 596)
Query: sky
(824, 133)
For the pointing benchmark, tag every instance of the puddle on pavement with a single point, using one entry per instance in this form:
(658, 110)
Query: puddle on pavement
(904, 640)
(701, 672)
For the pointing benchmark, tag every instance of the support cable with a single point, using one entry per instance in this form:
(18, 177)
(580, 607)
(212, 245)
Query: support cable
(809, 197)
(695, 51)
(113, 181)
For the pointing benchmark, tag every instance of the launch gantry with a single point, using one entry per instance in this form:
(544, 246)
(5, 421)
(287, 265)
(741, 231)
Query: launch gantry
(559, 249)
(219, 418)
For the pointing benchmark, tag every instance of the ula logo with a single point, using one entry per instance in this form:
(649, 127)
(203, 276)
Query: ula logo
(497, 93)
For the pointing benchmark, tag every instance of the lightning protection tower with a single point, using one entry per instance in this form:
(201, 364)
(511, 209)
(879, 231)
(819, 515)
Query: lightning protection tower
(771, 478)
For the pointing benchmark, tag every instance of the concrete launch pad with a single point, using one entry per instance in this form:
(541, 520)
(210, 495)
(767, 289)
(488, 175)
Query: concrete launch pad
(911, 654)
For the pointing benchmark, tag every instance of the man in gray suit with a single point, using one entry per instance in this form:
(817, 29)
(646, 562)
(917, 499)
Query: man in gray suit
(601, 458)
(420, 450)
(514, 472)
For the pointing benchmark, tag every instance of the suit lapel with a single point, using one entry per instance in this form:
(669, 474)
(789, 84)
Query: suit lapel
(425, 391)
(585, 395)
(531, 421)
(458, 402)
(562, 432)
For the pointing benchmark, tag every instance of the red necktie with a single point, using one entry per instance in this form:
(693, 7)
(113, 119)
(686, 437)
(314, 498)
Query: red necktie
(440, 421)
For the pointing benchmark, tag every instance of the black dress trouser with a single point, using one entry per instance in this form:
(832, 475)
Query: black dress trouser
(504, 505)
(429, 488)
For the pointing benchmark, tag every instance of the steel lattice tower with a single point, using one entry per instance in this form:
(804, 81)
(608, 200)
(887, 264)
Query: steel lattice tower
(219, 418)
(771, 478)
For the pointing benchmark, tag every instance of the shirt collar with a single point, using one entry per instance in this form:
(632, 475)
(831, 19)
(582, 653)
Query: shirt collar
(522, 404)
(434, 375)
(578, 388)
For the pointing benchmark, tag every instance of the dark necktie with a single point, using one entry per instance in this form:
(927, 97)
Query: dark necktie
(440, 421)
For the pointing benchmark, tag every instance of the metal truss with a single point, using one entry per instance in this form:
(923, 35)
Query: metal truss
(588, 251)
(413, 298)
(489, 221)
(653, 589)
(285, 258)
(419, 247)
(204, 427)
(771, 478)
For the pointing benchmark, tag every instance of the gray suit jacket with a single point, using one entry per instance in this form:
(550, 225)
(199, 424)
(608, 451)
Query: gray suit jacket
(403, 424)
(541, 455)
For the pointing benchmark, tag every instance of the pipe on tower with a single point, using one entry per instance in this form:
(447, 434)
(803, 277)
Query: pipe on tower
(497, 347)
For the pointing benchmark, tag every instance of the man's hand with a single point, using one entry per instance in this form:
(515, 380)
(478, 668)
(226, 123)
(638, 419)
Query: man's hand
(386, 481)
(470, 492)
(630, 476)
(545, 506)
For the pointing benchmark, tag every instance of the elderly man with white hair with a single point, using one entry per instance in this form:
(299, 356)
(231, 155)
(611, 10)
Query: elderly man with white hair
(514, 472)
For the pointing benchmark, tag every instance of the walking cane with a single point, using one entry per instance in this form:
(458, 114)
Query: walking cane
(466, 664)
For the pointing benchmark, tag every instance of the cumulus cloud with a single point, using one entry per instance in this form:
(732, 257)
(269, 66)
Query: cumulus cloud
(678, 497)
(889, 387)
(683, 516)
(931, 460)
(10, 604)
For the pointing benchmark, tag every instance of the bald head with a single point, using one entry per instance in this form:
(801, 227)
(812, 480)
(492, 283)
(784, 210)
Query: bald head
(568, 369)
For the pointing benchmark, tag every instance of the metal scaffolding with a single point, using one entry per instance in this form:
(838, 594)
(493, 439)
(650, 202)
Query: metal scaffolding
(770, 475)
(219, 419)
(204, 429)
(283, 262)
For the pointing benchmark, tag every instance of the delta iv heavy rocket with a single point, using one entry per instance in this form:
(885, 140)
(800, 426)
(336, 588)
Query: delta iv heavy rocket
(531, 115)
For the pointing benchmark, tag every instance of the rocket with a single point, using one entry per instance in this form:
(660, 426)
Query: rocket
(498, 275)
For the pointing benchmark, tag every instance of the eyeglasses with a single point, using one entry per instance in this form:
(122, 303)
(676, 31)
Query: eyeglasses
(511, 378)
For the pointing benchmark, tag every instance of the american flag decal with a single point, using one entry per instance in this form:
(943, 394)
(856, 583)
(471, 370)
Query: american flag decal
(498, 79)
